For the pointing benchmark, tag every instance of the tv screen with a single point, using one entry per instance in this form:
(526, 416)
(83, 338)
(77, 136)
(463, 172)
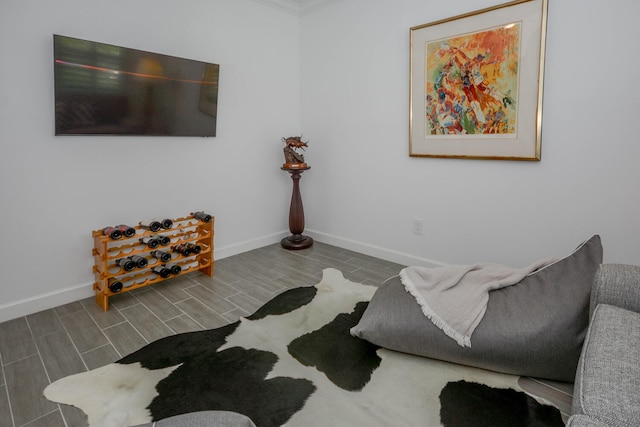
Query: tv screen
(101, 89)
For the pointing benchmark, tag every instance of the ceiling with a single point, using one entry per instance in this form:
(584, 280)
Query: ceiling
(297, 7)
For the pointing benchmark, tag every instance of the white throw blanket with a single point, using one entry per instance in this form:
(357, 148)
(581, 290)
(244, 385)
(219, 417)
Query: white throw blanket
(455, 297)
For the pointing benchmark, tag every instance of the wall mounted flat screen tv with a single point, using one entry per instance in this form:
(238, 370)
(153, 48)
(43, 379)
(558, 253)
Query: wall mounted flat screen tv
(101, 89)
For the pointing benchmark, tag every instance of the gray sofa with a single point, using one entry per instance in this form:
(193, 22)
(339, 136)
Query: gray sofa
(607, 385)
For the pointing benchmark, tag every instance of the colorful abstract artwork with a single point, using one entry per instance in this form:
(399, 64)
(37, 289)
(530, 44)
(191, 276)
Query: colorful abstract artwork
(476, 83)
(471, 83)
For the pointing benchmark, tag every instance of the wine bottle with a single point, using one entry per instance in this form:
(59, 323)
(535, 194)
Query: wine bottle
(151, 241)
(126, 230)
(112, 232)
(115, 285)
(151, 224)
(127, 264)
(141, 262)
(163, 240)
(182, 250)
(161, 255)
(162, 271)
(166, 223)
(175, 268)
(201, 216)
(195, 249)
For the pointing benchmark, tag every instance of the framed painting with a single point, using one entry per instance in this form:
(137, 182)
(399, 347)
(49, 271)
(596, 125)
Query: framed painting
(476, 84)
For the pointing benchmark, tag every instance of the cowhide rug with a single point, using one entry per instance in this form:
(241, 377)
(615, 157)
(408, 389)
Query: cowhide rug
(294, 363)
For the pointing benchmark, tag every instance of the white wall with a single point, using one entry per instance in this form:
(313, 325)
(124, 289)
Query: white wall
(339, 76)
(364, 190)
(55, 190)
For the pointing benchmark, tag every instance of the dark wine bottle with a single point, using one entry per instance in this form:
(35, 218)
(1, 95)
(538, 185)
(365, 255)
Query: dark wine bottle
(162, 271)
(151, 241)
(151, 224)
(161, 255)
(126, 230)
(141, 262)
(115, 285)
(201, 216)
(163, 240)
(195, 249)
(182, 250)
(166, 223)
(112, 232)
(127, 264)
(175, 268)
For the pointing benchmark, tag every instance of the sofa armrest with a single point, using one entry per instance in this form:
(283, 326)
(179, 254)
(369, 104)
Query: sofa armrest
(617, 284)
(584, 421)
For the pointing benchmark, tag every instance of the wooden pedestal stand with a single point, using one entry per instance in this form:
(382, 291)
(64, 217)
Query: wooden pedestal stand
(106, 251)
(296, 213)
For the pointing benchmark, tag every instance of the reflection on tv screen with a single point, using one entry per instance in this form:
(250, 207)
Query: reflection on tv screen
(101, 89)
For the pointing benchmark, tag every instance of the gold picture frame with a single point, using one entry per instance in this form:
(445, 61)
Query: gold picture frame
(476, 84)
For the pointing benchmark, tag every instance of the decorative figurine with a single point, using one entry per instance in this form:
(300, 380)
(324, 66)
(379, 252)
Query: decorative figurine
(293, 159)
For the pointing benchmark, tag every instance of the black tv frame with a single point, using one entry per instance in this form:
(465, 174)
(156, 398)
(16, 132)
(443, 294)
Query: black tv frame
(104, 89)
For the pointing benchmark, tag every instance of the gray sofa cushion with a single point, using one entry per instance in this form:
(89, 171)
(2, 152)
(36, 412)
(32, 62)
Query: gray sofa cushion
(204, 419)
(608, 378)
(533, 328)
(584, 421)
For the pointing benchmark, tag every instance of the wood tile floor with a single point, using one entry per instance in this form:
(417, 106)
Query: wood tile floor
(43, 347)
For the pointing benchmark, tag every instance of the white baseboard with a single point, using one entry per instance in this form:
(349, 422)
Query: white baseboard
(27, 306)
(371, 250)
(248, 245)
(68, 295)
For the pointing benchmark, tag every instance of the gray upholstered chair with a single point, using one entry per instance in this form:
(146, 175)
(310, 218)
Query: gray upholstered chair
(204, 419)
(607, 386)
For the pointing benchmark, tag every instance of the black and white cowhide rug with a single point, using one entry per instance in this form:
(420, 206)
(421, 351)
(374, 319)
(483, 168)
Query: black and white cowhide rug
(294, 363)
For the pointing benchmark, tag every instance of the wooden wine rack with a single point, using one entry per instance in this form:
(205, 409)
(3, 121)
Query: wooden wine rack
(106, 251)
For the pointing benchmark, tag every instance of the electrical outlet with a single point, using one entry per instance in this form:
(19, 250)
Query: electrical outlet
(417, 226)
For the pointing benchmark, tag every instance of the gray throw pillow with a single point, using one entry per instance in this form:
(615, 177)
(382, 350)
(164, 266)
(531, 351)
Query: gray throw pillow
(534, 328)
